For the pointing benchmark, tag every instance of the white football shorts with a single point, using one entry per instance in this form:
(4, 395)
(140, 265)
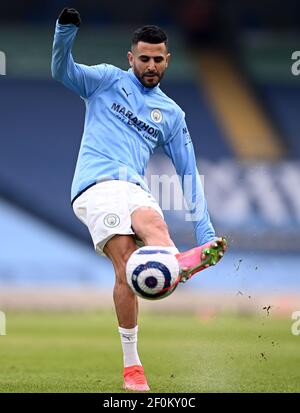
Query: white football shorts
(106, 208)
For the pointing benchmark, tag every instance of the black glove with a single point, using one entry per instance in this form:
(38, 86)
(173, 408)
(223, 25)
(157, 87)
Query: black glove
(69, 16)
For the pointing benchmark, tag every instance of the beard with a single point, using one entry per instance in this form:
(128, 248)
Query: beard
(149, 79)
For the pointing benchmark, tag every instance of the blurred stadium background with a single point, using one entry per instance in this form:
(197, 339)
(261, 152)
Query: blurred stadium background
(231, 74)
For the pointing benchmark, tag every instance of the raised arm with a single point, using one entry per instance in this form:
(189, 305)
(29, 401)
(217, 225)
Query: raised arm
(82, 79)
(181, 151)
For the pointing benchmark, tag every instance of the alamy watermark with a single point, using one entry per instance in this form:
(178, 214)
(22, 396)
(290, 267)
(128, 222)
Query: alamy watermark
(295, 68)
(2, 63)
(2, 323)
(296, 325)
(167, 190)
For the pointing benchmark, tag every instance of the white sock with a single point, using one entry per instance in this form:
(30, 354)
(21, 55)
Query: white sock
(129, 346)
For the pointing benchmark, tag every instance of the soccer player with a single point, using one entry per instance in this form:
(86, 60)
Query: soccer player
(127, 117)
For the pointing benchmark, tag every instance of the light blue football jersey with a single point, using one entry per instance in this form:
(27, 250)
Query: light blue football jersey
(124, 123)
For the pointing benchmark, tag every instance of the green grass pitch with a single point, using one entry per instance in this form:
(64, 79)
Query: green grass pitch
(81, 352)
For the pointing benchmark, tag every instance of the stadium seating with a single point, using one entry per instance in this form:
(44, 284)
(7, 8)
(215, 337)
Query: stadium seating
(283, 103)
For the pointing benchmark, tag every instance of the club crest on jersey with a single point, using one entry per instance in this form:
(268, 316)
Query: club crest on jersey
(156, 115)
(111, 220)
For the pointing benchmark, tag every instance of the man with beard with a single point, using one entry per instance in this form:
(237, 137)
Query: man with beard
(127, 117)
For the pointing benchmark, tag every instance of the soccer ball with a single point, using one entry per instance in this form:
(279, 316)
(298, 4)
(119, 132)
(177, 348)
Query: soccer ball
(152, 272)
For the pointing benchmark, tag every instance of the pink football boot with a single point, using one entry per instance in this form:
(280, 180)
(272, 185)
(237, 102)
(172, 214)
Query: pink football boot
(199, 258)
(134, 379)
